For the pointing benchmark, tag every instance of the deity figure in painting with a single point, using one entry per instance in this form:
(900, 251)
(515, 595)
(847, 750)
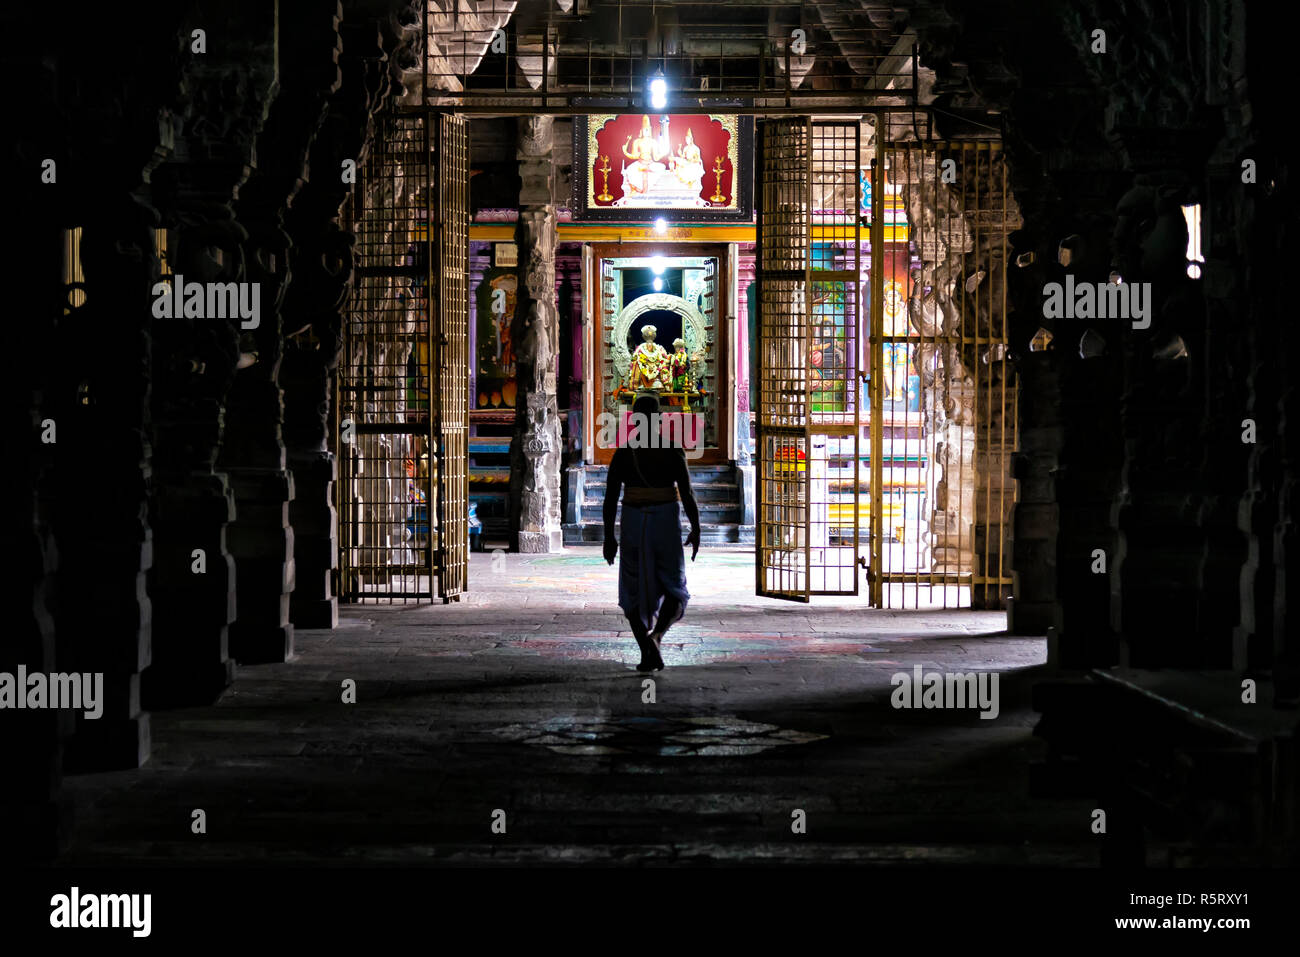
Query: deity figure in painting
(645, 154)
(688, 164)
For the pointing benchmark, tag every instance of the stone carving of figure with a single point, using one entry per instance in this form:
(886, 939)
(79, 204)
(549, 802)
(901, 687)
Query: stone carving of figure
(650, 363)
(688, 164)
(536, 134)
(645, 154)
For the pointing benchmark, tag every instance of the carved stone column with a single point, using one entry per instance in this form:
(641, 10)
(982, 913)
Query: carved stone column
(535, 449)
(230, 90)
(97, 377)
(74, 404)
(313, 320)
(254, 453)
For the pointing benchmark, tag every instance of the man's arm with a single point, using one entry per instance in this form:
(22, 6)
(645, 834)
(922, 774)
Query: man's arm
(688, 502)
(613, 486)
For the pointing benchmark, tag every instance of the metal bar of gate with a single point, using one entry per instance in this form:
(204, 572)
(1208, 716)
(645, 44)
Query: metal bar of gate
(876, 326)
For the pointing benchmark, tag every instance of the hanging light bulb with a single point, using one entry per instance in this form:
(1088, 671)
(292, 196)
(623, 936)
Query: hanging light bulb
(658, 91)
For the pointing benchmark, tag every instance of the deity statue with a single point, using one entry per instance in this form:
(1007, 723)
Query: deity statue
(650, 363)
(645, 154)
(679, 364)
(688, 163)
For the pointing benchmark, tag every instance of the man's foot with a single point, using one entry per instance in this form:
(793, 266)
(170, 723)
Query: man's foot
(651, 660)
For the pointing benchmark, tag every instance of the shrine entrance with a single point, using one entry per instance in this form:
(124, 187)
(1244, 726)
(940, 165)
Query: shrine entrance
(668, 301)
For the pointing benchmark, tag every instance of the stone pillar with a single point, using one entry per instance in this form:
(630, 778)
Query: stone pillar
(96, 385)
(535, 449)
(947, 386)
(1033, 608)
(31, 741)
(252, 451)
(1174, 526)
(102, 529)
(231, 89)
(253, 454)
(313, 317)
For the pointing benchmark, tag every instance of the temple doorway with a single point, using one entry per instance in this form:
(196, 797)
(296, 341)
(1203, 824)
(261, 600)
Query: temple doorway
(666, 301)
(678, 302)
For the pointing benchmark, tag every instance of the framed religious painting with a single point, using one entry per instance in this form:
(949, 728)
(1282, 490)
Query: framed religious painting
(687, 167)
(495, 376)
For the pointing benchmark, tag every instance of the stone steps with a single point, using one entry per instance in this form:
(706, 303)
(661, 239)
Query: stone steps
(717, 493)
(593, 533)
(725, 492)
(710, 512)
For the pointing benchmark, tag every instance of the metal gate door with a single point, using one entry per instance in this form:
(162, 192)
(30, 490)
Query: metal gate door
(449, 276)
(809, 362)
(403, 416)
(943, 392)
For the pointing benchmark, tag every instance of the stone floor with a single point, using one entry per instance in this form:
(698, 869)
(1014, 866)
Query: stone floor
(522, 699)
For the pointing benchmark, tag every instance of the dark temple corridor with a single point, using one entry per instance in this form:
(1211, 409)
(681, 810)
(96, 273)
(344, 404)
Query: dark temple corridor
(763, 711)
(338, 329)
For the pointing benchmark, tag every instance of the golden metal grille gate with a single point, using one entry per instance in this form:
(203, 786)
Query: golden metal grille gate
(943, 392)
(808, 359)
(450, 337)
(403, 390)
(928, 498)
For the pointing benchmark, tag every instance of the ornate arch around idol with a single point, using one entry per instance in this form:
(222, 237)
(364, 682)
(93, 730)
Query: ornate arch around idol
(694, 329)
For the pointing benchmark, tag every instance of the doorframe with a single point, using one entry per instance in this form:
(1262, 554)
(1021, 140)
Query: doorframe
(595, 353)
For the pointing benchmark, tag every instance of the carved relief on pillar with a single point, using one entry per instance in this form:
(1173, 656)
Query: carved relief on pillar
(536, 446)
(535, 139)
(536, 135)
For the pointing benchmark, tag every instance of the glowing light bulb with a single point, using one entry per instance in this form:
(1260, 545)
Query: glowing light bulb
(658, 93)
(661, 225)
(657, 265)
(659, 284)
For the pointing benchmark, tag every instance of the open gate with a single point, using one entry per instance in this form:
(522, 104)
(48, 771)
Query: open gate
(943, 388)
(402, 382)
(808, 359)
(884, 440)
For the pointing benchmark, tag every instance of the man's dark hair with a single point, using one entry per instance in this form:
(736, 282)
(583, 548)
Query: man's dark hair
(646, 405)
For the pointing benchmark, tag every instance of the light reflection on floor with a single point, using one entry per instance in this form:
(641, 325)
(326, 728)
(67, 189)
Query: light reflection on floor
(711, 736)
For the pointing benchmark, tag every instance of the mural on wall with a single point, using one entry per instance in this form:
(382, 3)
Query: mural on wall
(901, 381)
(695, 165)
(496, 350)
(829, 357)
